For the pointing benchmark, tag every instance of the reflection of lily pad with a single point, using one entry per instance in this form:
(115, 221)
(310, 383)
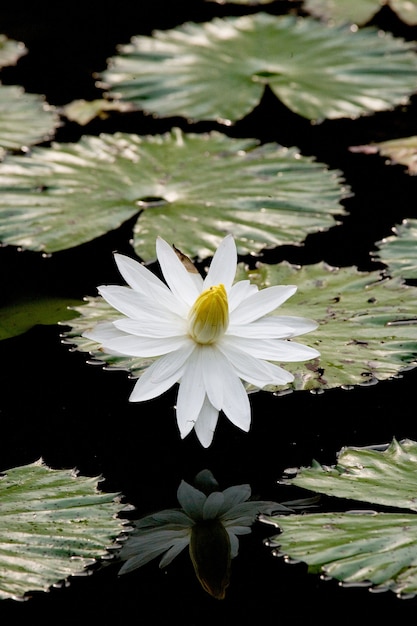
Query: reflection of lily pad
(18, 317)
(367, 328)
(69, 194)
(360, 11)
(53, 524)
(316, 70)
(10, 51)
(399, 251)
(378, 549)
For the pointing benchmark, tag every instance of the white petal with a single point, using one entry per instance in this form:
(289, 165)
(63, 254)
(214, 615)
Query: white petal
(254, 370)
(191, 394)
(131, 345)
(206, 423)
(269, 327)
(178, 278)
(298, 325)
(271, 349)
(261, 303)
(161, 375)
(236, 403)
(239, 292)
(170, 326)
(223, 265)
(127, 301)
(213, 383)
(137, 275)
(103, 332)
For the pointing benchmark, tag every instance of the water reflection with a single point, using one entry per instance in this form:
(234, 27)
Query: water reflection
(208, 522)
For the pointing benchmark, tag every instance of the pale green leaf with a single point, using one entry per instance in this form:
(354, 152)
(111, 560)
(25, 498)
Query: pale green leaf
(53, 525)
(358, 547)
(25, 118)
(69, 194)
(399, 251)
(83, 111)
(385, 477)
(402, 151)
(10, 51)
(316, 70)
(360, 11)
(367, 326)
(21, 315)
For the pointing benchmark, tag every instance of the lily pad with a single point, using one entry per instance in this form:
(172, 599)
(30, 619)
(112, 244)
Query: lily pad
(360, 11)
(69, 194)
(330, 72)
(402, 151)
(18, 317)
(10, 51)
(399, 251)
(359, 547)
(367, 325)
(53, 525)
(83, 111)
(25, 118)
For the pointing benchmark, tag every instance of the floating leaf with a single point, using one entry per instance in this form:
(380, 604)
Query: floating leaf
(367, 326)
(18, 317)
(401, 151)
(53, 524)
(386, 476)
(378, 549)
(316, 70)
(360, 11)
(83, 111)
(25, 118)
(68, 194)
(399, 251)
(10, 51)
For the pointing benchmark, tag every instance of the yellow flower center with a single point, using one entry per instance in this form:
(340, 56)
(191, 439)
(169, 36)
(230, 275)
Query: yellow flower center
(209, 316)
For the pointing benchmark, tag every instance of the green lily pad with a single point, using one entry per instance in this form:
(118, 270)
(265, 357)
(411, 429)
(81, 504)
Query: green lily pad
(18, 317)
(402, 151)
(83, 111)
(53, 525)
(25, 118)
(10, 51)
(399, 251)
(69, 194)
(330, 72)
(360, 11)
(359, 547)
(367, 326)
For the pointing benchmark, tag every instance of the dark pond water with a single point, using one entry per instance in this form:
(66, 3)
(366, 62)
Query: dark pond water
(56, 406)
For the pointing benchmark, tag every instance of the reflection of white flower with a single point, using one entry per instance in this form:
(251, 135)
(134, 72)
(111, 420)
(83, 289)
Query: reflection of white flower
(208, 523)
(209, 335)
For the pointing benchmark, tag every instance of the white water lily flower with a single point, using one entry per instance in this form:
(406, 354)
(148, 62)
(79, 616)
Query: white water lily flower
(208, 522)
(209, 335)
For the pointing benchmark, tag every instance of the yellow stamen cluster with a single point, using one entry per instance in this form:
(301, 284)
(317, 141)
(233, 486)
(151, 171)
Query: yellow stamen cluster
(209, 316)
